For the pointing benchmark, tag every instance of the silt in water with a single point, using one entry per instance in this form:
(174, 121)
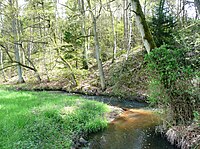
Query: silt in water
(133, 129)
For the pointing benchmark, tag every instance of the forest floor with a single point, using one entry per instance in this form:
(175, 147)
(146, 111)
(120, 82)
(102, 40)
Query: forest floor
(124, 78)
(49, 120)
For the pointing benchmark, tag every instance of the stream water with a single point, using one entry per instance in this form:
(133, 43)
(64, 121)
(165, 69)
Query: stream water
(134, 129)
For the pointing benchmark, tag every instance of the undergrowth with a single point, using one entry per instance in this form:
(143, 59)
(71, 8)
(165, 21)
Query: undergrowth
(46, 120)
(128, 78)
(174, 83)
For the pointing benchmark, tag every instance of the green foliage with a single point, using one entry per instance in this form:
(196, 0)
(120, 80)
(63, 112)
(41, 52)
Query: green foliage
(45, 120)
(157, 94)
(73, 35)
(196, 117)
(171, 82)
(189, 38)
(162, 25)
(168, 63)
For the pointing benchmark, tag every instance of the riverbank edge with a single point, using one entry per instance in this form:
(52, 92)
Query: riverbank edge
(31, 87)
(82, 141)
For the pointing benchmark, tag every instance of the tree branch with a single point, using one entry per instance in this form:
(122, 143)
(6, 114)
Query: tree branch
(5, 67)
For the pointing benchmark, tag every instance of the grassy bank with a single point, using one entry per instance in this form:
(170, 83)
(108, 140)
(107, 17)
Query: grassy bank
(46, 120)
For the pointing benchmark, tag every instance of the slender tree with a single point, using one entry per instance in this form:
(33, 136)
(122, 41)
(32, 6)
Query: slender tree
(2, 65)
(113, 31)
(125, 21)
(83, 30)
(97, 46)
(15, 30)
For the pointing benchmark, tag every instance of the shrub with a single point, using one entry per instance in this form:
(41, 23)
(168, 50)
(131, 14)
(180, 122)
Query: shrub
(171, 83)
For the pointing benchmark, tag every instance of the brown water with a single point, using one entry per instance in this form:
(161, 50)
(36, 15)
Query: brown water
(133, 129)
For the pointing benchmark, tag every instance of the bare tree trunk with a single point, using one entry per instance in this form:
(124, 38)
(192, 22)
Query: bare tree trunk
(130, 32)
(83, 30)
(2, 66)
(43, 33)
(145, 5)
(197, 5)
(183, 12)
(99, 62)
(141, 23)
(97, 49)
(88, 39)
(19, 69)
(114, 33)
(125, 20)
(30, 45)
(16, 38)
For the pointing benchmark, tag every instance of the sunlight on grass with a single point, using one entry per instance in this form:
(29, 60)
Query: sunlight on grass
(46, 120)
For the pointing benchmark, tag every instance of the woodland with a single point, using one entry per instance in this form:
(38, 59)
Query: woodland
(148, 50)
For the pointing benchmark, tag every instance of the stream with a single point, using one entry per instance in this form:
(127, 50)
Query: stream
(134, 129)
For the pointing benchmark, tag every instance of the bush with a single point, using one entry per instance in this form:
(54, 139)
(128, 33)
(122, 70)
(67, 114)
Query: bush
(171, 83)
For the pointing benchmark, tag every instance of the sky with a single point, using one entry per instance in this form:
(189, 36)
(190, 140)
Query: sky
(190, 10)
(61, 8)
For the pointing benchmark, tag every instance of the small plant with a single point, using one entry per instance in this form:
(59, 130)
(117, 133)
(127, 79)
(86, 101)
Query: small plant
(196, 117)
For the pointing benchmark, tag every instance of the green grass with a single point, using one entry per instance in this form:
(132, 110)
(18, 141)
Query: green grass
(46, 120)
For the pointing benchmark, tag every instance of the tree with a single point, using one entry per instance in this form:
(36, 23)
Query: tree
(197, 4)
(113, 31)
(130, 31)
(125, 21)
(2, 65)
(83, 30)
(15, 30)
(163, 24)
(141, 23)
(97, 46)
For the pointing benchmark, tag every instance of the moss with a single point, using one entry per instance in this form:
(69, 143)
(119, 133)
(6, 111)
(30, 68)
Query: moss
(148, 35)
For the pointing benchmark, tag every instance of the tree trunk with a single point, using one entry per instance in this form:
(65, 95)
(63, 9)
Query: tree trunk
(97, 49)
(125, 20)
(30, 45)
(197, 5)
(19, 69)
(114, 33)
(141, 23)
(83, 30)
(2, 66)
(15, 30)
(130, 33)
